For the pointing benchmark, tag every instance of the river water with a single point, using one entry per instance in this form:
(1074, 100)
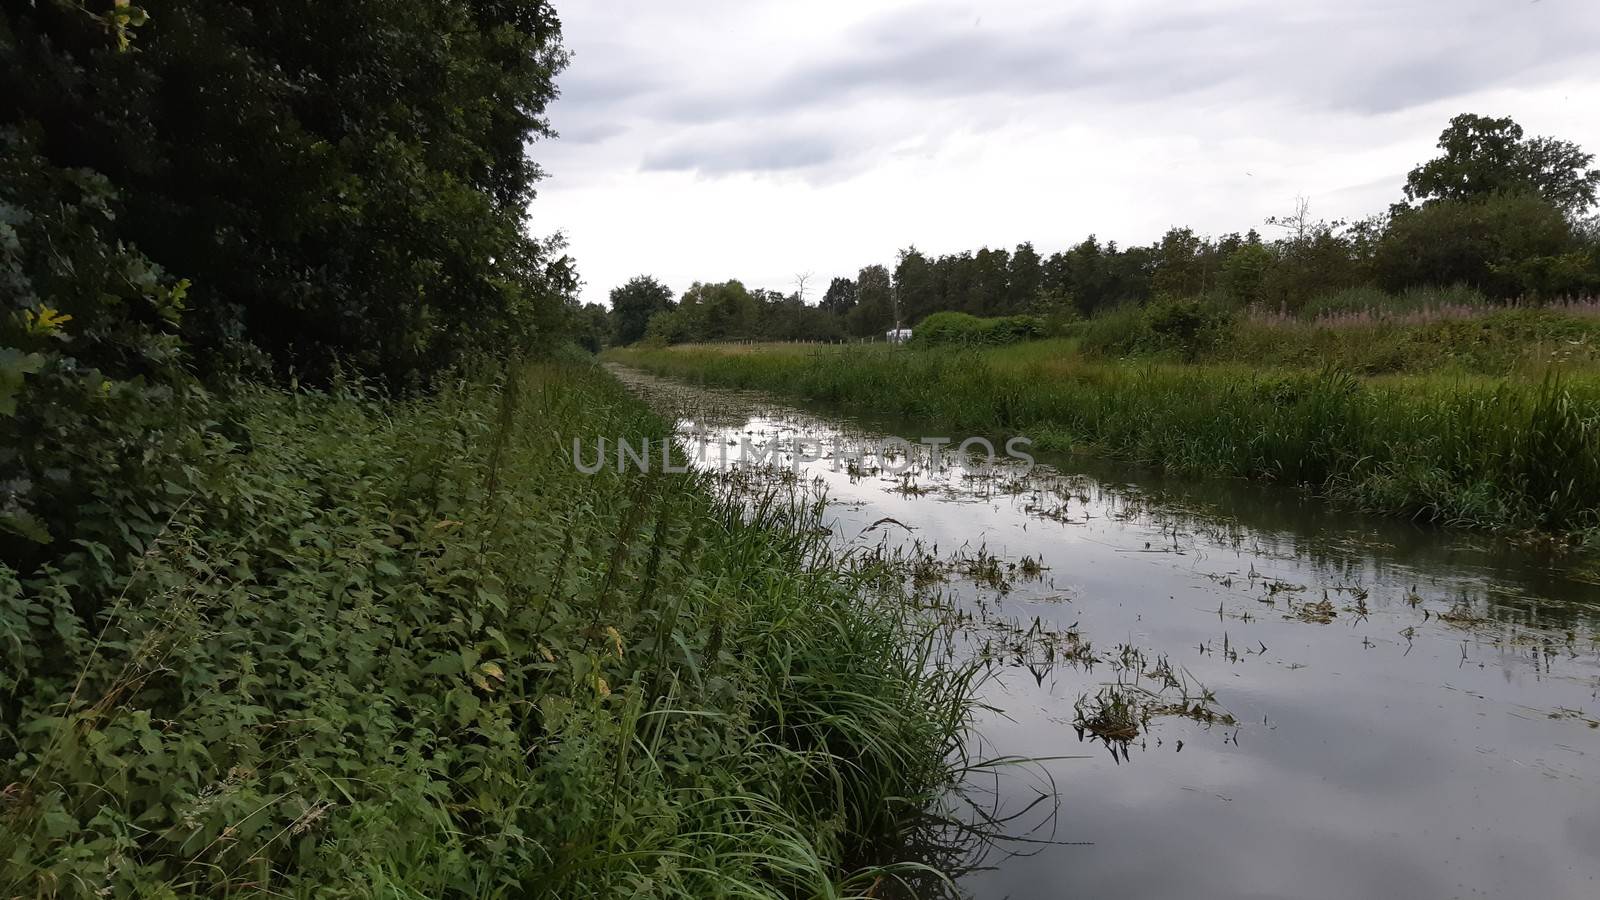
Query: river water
(1326, 705)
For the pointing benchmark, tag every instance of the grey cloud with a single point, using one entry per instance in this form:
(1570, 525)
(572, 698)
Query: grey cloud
(1360, 56)
(1374, 58)
(761, 154)
(590, 132)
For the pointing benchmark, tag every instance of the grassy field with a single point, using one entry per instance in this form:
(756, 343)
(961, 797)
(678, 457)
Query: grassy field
(1517, 452)
(405, 649)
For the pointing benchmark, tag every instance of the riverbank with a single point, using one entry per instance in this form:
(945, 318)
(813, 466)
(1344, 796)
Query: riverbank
(407, 648)
(1504, 454)
(1220, 656)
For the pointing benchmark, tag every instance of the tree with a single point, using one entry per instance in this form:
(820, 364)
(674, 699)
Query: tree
(801, 279)
(1507, 246)
(1024, 280)
(990, 281)
(874, 310)
(1485, 156)
(720, 311)
(1180, 264)
(592, 327)
(916, 286)
(840, 297)
(346, 184)
(1244, 268)
(634, 303)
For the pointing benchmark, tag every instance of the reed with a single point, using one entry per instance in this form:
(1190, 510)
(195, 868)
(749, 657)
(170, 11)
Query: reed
(1501, 453)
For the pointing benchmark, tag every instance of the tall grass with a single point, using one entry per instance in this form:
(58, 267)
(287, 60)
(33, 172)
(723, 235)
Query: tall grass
(1367, 332)
(1505, 454)
(406, 649)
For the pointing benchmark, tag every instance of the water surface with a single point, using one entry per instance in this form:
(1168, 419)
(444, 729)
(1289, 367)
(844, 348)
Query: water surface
(1389, 710)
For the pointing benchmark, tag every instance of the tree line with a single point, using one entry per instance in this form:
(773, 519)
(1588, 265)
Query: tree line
(1496, 211)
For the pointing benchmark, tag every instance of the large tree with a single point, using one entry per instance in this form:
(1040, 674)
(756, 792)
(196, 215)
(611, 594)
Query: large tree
(1483, 156)
(345, 183)
(874, 311)
(633, 304)
(840, 297)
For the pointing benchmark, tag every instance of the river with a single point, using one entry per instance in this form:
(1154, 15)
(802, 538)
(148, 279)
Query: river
(1325, 705)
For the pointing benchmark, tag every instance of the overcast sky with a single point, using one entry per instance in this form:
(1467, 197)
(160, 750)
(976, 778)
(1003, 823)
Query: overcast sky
(710, 139)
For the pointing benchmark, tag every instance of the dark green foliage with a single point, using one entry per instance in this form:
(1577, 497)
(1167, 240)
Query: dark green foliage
(840, 297)
(634, 303)
(729, 311)
(378, 648)
(790, 319)
(1187, 327)
(368, 640)
(960, 329)
(1244, 269)
(874, 312)
(1506, 245)
(95, 404)
(341, 181)
(591, 327)
(1485, 156)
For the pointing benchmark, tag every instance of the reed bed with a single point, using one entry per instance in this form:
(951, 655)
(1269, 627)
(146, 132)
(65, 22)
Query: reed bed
(1507, 454)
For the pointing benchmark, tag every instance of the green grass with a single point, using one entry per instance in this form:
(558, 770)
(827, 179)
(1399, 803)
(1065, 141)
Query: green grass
(1498, 453)
(404, 649)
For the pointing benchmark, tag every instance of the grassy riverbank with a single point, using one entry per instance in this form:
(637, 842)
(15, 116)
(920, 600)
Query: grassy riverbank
(405, 649)
(1513, 454)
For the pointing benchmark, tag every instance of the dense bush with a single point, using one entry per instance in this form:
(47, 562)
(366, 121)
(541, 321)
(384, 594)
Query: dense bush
(99, 421)
(1186, 328)
(1508, 246)
(947, 328)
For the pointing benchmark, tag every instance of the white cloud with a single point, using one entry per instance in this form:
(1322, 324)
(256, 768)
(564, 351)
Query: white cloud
(714, 139)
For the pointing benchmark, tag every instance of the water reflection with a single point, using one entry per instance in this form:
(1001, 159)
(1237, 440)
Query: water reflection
(1321, 704)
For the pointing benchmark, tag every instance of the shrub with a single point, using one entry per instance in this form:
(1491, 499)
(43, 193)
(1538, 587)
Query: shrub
(1188, 327)
(954, 328)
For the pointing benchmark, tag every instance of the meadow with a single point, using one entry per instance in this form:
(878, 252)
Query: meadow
(403, 648)
(1483, 418)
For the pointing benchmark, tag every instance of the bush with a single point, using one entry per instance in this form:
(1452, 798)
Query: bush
(961, 329)
(98, 417)
(1187, 328)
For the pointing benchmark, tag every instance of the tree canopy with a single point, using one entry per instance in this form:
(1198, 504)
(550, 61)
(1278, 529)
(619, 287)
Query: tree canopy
(633, 304)
(340, 182)
(1485, 156)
